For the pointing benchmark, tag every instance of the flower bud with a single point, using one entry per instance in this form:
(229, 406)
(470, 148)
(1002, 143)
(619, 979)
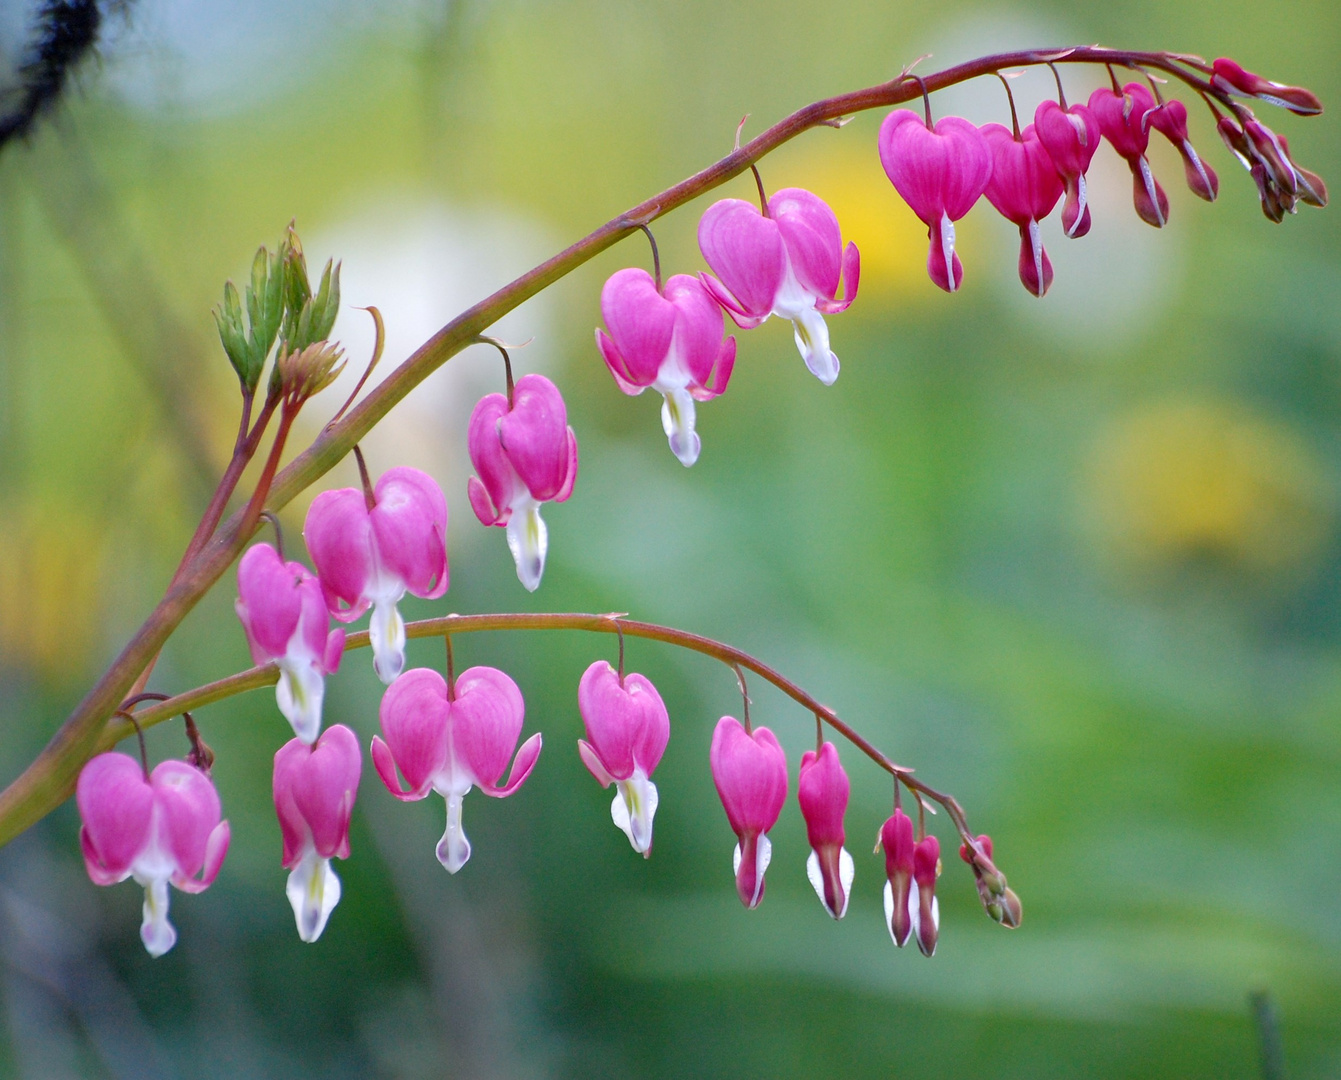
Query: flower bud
(1232, 79)
(896, 836)
(750, 772)
(822, 791)
(926, 869)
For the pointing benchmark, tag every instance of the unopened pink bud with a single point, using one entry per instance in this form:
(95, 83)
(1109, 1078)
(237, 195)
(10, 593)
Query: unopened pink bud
(1024, 187)
(822, 790)
(926, 869)
(750, 772)
(1070, 136)
(1124, 121)
(1170, 120)
(901, 912)
(1233, 79)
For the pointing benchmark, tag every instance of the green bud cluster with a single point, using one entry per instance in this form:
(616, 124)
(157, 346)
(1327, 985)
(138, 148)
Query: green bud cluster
(280, 306)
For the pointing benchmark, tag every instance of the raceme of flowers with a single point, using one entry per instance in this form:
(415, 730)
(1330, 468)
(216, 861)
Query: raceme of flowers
(370, 546)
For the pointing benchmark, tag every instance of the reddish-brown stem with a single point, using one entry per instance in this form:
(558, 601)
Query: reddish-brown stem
(369, 496)
(251, 515)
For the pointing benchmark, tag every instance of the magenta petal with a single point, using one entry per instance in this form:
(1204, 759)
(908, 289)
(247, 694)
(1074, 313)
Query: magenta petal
(385, 765)
(521, 768)
(334, 651)
(116, 805)
(813, 240)
(485, 719)
(1025, 185)
(618, 368)
(414, 716)
(721, 373)
(627, 724)
(698, 326)
(593, 762)
(570, 477)
(188, 809)
(750, 773)
(409, 524)
(216, 849)
(1122, 118)
(482, 504)
(314, 622)
(315, 788)
(1070, 136)
(729, 303)
(268, 603)
(486, 454)
(851, 278)
(745, 251)
(339, 539)
(640, 322)
(534, 435)
(822, 791)
(937, 171)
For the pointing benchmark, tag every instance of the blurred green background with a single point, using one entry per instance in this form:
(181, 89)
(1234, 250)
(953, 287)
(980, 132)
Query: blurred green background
(1077, 560)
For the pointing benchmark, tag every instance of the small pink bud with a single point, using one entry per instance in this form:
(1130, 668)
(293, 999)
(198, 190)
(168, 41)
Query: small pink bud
(1070, 136)
(163, 829)
(314, 789)
(901, 910)
(285, 618)
(1232, 79)
(1124, 121)
(1024, 187)
(822, 790)
(926, 869)
(669, 340)
(526, 455)
(998, 899)
(940, 172)
(627, 730)
(371, 558)
(787, 263)
(750, 772)
(450, 746)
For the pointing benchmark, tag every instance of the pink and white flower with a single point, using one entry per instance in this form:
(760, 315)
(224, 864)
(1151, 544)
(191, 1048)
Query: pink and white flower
(1170, 120)
(822, 790)
(1024, 187)
(1123, 119)
(1070, 136)
(750, 772)
(371, 556)
(627, 730)
(788, 263)
(283, 612)
(315, 788)
(157, 829)
(901, 905)
(670, 340)
(1233, 79)
(940, 172)
(926, 869)
(450, 739)
(526, 455)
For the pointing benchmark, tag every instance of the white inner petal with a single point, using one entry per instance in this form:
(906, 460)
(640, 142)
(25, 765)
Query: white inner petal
(313, 890)
(1152, 192)
(633, 808)
(156, 932)
(527, 540)
(453, 848)
(298, 694)
(889, 911)
(386, 633)
(948, 249)
(1082, 193)
(677, 421)
(797, 303)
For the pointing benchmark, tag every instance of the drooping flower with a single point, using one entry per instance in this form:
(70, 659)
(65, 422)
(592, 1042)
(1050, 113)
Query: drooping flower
(901, 906)
(1070, 136)
(1233, 79)
(450, 740)
(1124, 122)
(525, 454)
(1024, 187)
(282, 611)
(926, 869)
(787, 263)
(1170, 120)
(315, 788)
(372, 555)
(822, 790)
(940, 172)
(160, 829)
(670, 340)
(627, 728)
(750, 772)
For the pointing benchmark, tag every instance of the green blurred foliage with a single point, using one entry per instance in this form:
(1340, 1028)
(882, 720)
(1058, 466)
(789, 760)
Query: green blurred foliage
(1075, 560)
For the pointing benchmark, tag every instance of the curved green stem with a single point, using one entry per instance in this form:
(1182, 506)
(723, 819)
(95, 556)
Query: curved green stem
(50, 778)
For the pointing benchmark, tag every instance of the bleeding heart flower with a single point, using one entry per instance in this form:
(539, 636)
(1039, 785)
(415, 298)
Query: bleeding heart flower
(450, 739)
(940, 172)
(371, 555)
(787, 262)
(1024, 187)
(1170, 120)
(526, 455)
(750, 771)
(1123, 119)
(627, 728)
(157, 829)
(283, 612)
(822, 791)
(1232, 79)
(670, 340)
(901, 906)
(315, 788)
(1070, 136)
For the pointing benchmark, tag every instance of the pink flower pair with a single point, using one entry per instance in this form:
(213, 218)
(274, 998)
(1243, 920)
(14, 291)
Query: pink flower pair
(159, 829)
(450, 737)
(912, 867)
